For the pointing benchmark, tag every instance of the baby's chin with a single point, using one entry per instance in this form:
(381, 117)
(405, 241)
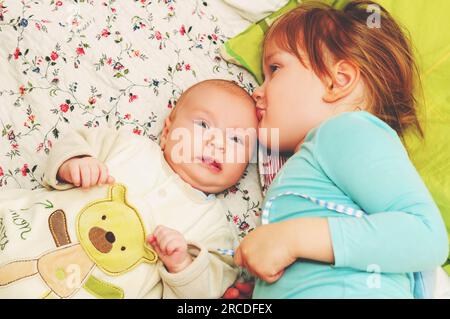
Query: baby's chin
(214, 184)
(211, 190)
(202, 180)
(210, 183)
(205, 187)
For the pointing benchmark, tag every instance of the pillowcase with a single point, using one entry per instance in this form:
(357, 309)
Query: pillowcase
(426, 24)
(120, 64)
(254, 11)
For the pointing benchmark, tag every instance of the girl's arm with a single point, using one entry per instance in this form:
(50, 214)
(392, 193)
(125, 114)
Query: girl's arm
(269, 249)
(404, 231)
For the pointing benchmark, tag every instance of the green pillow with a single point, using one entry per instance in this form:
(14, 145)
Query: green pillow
(245, 49)
(428, 25)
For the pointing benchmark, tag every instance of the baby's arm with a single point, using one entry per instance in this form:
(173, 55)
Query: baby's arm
(79, 154)
(206, 274)
(84, 171)
(171, 247)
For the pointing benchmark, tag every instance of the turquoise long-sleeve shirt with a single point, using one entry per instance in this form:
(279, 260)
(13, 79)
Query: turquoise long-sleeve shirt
(357, 160)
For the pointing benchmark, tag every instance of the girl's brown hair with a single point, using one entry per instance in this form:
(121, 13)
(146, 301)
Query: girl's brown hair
(383, 54)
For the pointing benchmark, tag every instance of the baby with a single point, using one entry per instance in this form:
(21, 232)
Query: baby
(91, 239)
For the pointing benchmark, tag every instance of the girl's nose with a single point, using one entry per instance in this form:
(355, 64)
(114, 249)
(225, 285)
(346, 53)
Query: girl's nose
(258, 97)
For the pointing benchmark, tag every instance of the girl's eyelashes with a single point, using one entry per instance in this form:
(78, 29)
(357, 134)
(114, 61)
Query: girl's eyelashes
(201, 123)
(273, 68)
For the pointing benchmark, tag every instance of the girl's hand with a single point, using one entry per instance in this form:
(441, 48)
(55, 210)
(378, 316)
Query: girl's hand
(85, 172)
(171, 248)
(269, 249)
(266, 251)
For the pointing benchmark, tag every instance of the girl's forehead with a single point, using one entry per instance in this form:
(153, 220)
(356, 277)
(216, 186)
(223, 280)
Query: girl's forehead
(275, 50)
(275, 54)
(271, 48)
(272, 53)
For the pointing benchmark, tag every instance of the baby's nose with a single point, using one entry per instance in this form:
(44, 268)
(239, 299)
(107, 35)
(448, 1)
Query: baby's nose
(217, 142)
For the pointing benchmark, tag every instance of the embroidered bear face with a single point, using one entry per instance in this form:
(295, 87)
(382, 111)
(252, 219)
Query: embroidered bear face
(112, 233)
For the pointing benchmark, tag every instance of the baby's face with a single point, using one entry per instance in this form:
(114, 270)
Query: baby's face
(211, 138)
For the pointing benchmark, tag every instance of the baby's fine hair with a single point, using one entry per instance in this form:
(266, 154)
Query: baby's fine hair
(230, 86)
(315, 31)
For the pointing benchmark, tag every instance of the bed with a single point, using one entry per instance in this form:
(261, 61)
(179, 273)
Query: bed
(82, 63)
(68, 64)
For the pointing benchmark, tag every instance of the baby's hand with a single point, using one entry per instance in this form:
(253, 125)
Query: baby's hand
(85, 172)
(171, 248)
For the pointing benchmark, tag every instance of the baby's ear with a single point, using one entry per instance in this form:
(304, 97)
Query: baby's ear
(165, 132)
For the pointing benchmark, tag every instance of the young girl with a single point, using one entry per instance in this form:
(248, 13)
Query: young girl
(348, 215)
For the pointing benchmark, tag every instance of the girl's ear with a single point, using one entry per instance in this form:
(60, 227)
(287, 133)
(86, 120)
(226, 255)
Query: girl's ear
(345, 77)
(165, 132)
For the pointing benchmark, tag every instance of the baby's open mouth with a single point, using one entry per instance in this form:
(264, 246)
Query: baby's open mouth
(212, 164)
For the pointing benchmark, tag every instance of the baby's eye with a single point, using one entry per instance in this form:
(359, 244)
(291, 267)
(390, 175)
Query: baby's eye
(103, 217)
(236, 139)
(273, 68)
(201, 123)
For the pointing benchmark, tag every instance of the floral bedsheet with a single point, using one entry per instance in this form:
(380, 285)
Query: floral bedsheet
(66, 64)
